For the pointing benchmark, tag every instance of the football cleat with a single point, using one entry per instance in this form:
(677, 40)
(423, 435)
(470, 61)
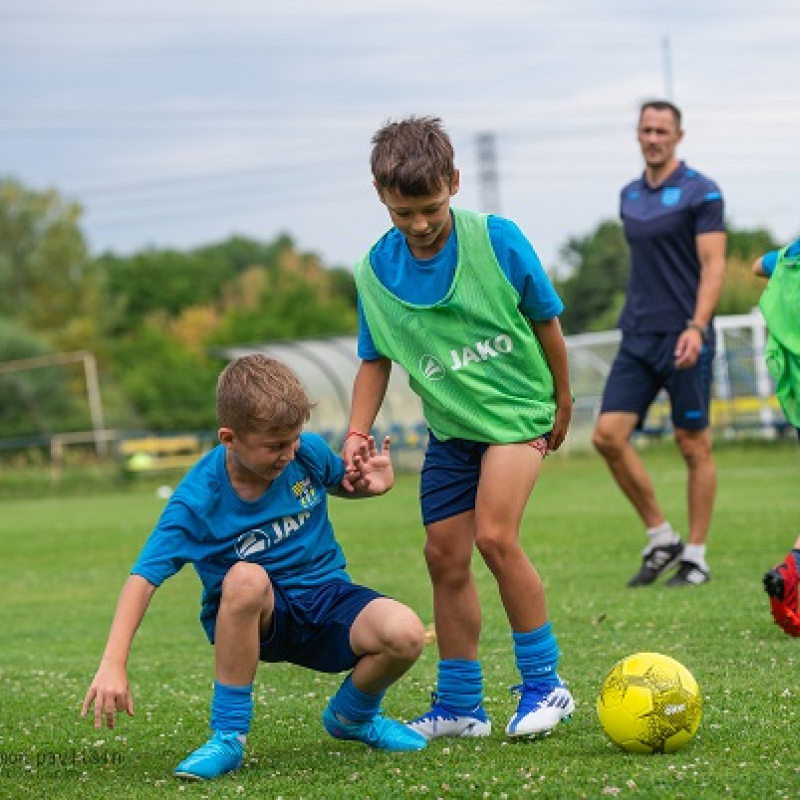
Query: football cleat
(780, 583)
(442, 721)
(378, 732)
(220, 754)
(542, 705)
(689, 574)
(656, 561)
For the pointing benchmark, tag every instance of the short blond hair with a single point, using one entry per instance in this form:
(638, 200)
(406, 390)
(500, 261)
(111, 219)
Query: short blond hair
(257, 393)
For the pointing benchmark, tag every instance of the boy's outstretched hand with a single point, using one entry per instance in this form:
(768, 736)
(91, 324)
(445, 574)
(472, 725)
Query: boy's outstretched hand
(370, 473)
(110, 693)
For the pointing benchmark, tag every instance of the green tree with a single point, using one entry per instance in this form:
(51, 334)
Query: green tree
(32, 401)
(287, 307)
(161, 281)
(170, 309)
(168, 387)
(748, 244)
(597, 269)
(47, 283)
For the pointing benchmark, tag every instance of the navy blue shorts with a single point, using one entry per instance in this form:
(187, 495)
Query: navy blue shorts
(312, 628)
(645, 364)
(450, 475)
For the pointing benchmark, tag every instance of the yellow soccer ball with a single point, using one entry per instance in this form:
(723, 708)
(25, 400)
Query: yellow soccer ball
(650, 703)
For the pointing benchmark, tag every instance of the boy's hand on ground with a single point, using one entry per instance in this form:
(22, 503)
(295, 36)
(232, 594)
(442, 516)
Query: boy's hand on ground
(110, 693)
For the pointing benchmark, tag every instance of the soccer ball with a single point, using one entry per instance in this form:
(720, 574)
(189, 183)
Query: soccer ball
(650, 703)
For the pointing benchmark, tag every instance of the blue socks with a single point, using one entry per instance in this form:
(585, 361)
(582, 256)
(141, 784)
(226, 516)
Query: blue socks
(352, 705)
(459, 685)
(537, 654)
(231, 708)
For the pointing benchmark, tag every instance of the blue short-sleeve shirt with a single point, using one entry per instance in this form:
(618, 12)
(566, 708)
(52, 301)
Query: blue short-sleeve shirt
(770, 260)
(661, 226)
(287, 530)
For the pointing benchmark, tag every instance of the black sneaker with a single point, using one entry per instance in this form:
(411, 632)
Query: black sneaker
(689, 574)
(657, 560)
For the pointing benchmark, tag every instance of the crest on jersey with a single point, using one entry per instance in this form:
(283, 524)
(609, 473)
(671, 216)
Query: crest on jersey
(670, 195)
(432, 368)
(251, 543)
(304, 491)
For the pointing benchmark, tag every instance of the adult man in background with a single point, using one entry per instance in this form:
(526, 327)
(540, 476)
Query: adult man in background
(673, 219)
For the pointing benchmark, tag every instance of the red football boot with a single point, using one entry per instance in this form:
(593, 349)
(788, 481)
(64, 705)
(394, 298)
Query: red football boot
(780, 583)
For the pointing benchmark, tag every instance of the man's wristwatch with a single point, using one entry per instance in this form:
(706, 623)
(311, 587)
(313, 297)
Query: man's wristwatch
(696, 326)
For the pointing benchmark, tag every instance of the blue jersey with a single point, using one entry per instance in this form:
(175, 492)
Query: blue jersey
(427, 281)
(287, 529)
(770, 260)
(661, 225)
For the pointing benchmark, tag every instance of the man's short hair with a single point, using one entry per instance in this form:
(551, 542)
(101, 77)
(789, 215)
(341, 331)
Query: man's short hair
(256, 393)
(662, 105)
(413, 157)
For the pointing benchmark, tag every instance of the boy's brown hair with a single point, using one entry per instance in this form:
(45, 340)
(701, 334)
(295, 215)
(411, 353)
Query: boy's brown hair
(256, 393)
(413, 157)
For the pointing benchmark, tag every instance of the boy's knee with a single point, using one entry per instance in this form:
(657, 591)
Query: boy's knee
(446, 561)
(498, 547)
(246, 584)
(406, 635)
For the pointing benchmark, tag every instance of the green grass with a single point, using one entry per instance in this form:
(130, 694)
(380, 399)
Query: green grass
(63, 560)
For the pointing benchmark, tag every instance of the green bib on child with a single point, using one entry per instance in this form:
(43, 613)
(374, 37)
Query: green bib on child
(472, 357)
(780, 304)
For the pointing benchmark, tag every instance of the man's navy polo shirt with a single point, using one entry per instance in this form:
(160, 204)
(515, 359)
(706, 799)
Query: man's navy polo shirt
(661, 225)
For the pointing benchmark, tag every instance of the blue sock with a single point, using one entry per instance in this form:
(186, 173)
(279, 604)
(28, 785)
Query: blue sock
(537, 654)
(231, 708)
(459, 685)
(352, 705)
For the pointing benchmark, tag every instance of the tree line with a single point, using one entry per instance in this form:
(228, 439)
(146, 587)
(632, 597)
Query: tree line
(156, 320)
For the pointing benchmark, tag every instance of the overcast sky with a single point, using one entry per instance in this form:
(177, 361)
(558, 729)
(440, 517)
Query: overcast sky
(178, 123)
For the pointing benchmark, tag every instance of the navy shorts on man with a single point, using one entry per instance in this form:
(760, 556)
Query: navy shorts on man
(645, 363)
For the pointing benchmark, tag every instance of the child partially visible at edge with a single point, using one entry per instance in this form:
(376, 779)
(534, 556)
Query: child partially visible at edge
(461, 301)
(251, 517)
(780, 304)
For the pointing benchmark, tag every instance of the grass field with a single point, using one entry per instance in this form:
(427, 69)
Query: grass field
(63, 560)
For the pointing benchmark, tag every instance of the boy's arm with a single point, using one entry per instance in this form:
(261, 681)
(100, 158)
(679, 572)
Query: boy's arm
(109, 690)
(758, 268)
(549, 335)
(369, 389)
